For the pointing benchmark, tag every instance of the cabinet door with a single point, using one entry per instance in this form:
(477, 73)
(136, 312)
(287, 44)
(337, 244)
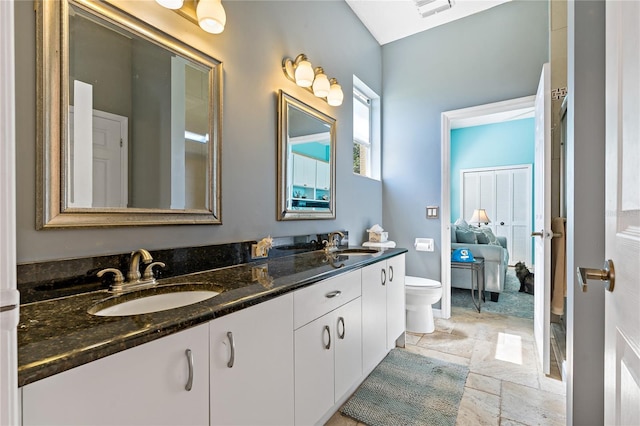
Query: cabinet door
(314, 367)
(395, 300)
(348, 346)
(304, 171)
(322, 175)
(257, 388)
(144, 385)
(374, 315)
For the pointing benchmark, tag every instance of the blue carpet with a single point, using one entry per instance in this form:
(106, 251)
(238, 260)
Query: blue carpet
(511, 302)
(409, 389)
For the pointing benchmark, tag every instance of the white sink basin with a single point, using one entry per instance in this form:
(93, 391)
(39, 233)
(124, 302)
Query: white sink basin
(154, 303)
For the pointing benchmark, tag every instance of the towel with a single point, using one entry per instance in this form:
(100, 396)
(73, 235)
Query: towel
(558, 266)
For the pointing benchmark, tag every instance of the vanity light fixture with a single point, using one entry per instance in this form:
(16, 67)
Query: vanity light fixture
(301, 72)
(208, 14)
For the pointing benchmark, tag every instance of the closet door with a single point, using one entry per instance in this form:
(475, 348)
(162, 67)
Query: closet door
(521, 215)
(478, 192)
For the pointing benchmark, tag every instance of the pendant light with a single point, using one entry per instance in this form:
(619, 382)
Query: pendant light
(321, 84)
(335, 96)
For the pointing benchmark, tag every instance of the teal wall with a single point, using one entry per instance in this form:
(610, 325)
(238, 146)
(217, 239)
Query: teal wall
(490, 145)
(315, 150)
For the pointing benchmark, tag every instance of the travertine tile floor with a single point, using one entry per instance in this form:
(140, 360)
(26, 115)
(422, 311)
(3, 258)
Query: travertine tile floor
(505, 385)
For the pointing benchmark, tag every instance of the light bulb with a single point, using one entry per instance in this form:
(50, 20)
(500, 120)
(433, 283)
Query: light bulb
(211, 16)
(335, 96)
(304, 73)
(170, 4)
(321, 84)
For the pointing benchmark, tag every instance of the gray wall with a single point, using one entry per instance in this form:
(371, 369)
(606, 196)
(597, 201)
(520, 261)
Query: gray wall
(258, 35)
(489, 57)
(585, 210)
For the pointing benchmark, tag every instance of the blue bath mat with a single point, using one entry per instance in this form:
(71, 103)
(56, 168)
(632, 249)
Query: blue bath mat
(409, 389)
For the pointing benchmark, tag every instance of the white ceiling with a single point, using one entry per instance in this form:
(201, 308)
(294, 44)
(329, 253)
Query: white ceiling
(390, 20)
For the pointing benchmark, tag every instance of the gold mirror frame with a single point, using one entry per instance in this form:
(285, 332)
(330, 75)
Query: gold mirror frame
(284, 212)
(52, 66)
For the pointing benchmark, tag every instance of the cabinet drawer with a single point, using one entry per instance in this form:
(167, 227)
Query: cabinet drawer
(316, 300)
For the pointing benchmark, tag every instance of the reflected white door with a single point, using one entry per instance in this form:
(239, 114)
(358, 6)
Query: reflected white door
(109, 164)
(542, 220)
(622, 219)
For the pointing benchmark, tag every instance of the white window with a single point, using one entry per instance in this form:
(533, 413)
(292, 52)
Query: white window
(366, 131)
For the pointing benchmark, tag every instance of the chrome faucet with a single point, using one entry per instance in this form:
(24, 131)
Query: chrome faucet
(333, 242)
(134, 266)
(135, 281)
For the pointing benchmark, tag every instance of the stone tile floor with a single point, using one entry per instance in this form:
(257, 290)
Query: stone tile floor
(505, 385)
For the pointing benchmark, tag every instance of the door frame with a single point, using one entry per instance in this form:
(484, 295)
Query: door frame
(465, 117)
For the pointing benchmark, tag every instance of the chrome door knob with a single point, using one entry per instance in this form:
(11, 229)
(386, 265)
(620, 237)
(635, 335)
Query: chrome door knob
(606, 274)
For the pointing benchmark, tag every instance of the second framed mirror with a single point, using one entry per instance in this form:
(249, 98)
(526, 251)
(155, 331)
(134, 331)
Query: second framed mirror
(306, 161)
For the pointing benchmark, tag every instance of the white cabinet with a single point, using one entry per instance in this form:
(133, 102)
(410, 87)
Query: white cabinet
(396, 313)
(252, 365)
(323, 175)
(374, 315)
(328, 350)
(304, 171)
(383, 308)
(145, 385)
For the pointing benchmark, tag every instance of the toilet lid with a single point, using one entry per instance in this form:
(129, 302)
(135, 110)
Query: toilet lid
(421, 282)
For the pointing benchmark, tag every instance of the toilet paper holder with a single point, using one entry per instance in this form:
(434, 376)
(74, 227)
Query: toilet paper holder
(424, 244)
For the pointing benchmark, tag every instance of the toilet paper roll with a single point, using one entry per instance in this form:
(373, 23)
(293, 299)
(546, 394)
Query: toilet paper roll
(424, 244)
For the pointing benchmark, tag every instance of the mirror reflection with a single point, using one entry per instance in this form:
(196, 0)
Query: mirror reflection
(135, 139)
(306, 155)
(138, 121)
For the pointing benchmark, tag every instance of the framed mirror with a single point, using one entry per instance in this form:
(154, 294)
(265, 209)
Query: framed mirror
(129, 121)
(306, 161)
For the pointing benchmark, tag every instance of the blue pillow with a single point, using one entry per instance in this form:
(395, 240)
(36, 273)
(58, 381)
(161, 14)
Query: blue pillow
(466, 236)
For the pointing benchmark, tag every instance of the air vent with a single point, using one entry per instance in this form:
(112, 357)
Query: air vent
(431, 7)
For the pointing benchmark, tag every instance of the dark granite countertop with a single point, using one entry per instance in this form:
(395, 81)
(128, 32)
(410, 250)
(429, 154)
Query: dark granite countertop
(59, 334)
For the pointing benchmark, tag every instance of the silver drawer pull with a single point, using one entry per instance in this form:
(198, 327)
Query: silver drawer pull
(232, 357)
(189, 384)
(341, 320)
(390, 273)
(383, 276)
(333, 294)
(328, 345)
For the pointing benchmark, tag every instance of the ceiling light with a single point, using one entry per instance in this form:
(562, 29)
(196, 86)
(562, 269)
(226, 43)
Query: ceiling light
(211, 16)
(170, 4)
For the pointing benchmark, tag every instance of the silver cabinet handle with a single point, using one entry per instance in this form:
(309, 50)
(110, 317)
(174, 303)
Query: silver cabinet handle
(390, 273)
(189, 384)
(232, 357)
(606, 274)
(333, 294)
(328, 345)
(383, 276)
(538, 234)
(341, 320)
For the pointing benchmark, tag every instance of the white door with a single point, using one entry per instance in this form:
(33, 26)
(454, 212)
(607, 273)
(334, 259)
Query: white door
(542, 219)
(109, 168)
(622, 223)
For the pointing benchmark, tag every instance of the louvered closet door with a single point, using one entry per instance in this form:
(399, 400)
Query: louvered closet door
(505, 193)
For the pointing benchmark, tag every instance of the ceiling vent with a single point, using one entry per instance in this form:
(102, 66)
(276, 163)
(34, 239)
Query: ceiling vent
(431, 7)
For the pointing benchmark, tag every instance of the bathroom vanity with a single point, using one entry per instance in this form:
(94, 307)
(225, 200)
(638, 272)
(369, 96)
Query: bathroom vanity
(286, 341)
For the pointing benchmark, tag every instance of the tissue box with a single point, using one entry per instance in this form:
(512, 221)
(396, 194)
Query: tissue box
(378, 237)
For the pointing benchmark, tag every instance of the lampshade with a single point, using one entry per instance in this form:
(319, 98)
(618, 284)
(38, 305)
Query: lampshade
(321, 84)
(170, 4)
(479, 216)
(304, 73)
(335, 96)
(211, 16)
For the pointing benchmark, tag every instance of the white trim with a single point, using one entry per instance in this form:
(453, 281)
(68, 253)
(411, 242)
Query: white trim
(449, 120)
(9, 296)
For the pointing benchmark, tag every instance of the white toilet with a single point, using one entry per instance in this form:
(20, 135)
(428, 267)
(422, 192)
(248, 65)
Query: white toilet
(421, 293)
